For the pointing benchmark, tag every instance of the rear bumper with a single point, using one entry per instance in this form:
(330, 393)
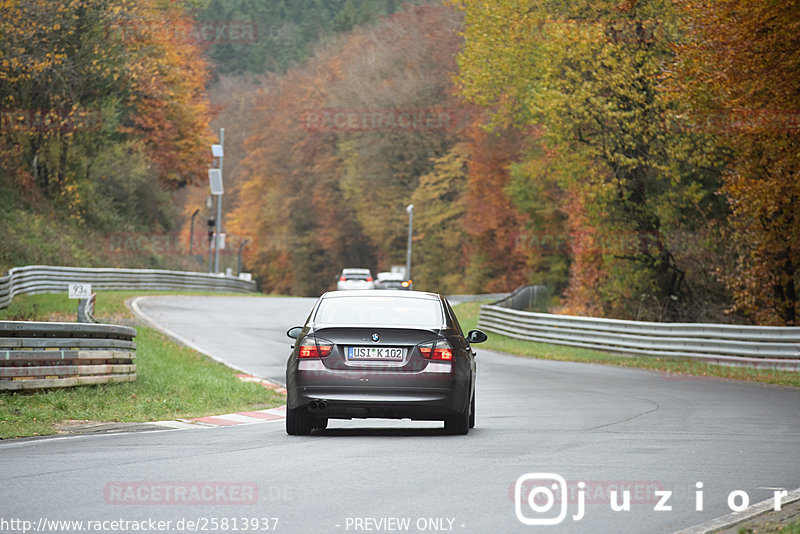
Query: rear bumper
(431, 394)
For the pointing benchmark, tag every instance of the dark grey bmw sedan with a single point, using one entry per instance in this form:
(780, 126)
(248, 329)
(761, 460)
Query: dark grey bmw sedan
(389, 354)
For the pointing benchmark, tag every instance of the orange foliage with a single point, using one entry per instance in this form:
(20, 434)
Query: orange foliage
(586, 272)
(492, 219)
(316, 201)
(167, 74)
(741, 65)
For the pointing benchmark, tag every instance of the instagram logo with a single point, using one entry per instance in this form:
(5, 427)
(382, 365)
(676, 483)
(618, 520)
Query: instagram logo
(541, 498)
(540, 492)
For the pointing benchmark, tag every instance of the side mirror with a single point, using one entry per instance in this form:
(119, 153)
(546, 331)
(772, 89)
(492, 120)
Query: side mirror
(476, 336)
(294, 332)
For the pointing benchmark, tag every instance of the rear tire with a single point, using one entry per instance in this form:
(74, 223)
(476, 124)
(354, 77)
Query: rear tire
(458, 424)
(298, 422)
(472, 412)
(320, 423)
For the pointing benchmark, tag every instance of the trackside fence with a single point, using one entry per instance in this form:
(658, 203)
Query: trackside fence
(759, 346)
(36, 355)
(47, 279)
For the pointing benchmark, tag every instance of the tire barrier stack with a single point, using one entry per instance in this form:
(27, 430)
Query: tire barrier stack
(37, 355)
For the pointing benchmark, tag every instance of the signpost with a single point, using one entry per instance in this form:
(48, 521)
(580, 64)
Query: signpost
(83, 293)
(79, 291)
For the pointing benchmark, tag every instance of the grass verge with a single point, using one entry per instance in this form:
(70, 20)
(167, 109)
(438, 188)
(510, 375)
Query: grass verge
(773, 528)
(468, 317)
(173, 381)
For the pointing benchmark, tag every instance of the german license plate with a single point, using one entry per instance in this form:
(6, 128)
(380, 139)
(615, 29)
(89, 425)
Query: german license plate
(374, 353)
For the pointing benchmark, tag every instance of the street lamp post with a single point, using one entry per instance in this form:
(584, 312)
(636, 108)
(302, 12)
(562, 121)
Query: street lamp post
(410, 210)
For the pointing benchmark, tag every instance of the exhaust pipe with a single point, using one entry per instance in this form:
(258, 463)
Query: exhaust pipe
(318, 405)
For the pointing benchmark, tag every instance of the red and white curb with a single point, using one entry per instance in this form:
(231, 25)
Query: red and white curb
(241, 418)
(230, 419)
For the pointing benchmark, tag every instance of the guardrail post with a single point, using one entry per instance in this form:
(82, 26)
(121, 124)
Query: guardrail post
(86, 309)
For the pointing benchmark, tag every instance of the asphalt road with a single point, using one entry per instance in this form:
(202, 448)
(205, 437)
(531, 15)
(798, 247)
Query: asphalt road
(607, 427)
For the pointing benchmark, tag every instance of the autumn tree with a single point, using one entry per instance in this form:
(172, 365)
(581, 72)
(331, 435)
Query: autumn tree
(492, 221)
(325, 189)
(735, 75)
(543, 239)
(103, 113)
(588, 74)
(83, 75)
(165, 76)
(441, 252)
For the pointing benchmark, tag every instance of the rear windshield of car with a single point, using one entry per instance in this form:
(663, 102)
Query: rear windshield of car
(355, 276)
(380, 311)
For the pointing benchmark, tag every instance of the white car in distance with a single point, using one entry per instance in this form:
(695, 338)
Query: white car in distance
(355, 279)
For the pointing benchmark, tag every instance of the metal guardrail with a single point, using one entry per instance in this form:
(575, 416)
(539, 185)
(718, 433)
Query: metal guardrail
(47, 279)
(36, 355)
(759, 346)
(458, 299)
(529, 297)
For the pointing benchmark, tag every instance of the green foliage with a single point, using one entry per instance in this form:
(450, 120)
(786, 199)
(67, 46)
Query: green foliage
(544, 239)
(733, 79)
(102, 113)
(319, 201)
(440, 241)
(587, 74)
(287, 30)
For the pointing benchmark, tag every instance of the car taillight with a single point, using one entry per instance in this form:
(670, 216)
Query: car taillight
(369, 279)
(341, 279)
(437, 350)
(311, 349)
